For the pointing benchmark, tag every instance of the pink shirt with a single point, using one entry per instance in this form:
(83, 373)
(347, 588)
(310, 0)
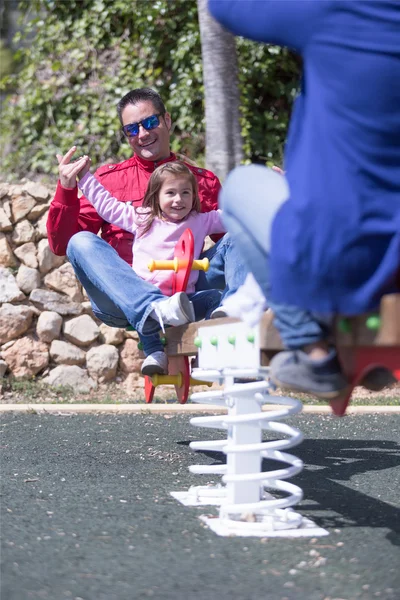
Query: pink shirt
(159, 241)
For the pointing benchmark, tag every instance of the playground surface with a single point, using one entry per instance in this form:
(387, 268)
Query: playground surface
(87, 512)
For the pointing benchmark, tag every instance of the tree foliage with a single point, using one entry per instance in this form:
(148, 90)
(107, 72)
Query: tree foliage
(84, 55)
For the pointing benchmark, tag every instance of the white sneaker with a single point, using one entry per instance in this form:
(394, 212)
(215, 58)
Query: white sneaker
(175, 310)
(155, 363)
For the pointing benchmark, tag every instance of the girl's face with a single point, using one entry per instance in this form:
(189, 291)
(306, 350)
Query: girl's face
(176, 197)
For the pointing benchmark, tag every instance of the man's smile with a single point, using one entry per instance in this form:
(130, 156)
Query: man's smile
(146, 144)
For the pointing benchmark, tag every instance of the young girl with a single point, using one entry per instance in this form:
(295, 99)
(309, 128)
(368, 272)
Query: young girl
(171, 205)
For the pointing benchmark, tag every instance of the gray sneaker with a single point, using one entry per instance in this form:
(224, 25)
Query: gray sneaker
(293, 370)
(155, 363)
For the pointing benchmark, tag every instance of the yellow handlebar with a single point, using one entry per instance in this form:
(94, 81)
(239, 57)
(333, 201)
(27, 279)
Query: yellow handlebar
(201, 265)
(167, 379)
(163, 265)
(173, 265)
(198, 382)
(175, 380)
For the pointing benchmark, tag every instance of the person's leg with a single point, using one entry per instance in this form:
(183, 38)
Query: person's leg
(156, 360)
(310, 364)
(204, 302)
(250, 231)
(250, 198)
(227, 269)
(151, 343)
(117, 294)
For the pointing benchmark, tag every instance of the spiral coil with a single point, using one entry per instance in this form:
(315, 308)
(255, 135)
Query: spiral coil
(244, 496)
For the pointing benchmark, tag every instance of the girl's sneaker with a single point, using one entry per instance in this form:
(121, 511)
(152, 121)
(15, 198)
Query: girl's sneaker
(175, 310)
(155, 363)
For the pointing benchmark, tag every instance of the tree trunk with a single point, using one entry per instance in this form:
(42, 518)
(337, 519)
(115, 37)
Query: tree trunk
(224, 146)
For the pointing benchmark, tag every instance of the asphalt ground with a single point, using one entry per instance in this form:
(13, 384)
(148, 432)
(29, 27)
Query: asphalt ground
(86, 513)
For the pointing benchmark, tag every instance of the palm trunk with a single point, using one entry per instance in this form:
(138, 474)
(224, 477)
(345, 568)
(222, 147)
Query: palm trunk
(224, 146)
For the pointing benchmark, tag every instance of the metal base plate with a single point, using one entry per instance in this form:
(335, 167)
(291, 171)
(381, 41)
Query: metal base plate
(204, 495)
(229, 528)
(212, 496)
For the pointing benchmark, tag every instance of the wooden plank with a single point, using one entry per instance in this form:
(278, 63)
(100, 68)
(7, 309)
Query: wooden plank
(180, 340)
(269, 337)
(389, 333)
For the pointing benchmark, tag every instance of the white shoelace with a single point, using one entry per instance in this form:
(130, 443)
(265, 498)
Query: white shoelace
(156, 312)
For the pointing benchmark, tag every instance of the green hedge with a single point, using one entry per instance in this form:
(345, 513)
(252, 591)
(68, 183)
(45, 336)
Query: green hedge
(84, 55)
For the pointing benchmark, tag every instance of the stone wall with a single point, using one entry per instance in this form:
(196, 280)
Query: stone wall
(47, 328)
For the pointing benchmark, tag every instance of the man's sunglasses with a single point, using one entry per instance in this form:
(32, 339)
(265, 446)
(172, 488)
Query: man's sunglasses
(132, 129)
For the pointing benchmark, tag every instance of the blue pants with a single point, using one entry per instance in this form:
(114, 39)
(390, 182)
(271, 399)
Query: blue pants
(250, 231)
(120, 298)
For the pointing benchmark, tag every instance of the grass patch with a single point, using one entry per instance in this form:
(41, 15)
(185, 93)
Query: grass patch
(387, 397)
(34, 391)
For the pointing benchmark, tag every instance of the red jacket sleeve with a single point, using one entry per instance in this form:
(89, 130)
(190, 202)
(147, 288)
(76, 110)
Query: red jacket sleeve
(69, 214)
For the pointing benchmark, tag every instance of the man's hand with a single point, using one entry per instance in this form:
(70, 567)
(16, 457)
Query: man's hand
(86, 167)
(278, 170)
(68, 171)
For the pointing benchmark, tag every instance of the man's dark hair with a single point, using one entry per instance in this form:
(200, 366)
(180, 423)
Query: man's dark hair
(141, 95)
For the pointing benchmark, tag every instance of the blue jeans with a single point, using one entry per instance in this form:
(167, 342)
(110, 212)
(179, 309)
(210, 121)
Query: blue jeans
(250, 231)
(227, 270)
(120, 298)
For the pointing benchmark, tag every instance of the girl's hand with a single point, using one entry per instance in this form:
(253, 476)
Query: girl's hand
(68, 171)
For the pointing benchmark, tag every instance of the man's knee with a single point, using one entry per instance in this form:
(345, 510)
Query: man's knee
(226, 240)
(81, 243)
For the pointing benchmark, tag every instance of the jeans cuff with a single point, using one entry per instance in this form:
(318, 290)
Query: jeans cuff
(147, 325)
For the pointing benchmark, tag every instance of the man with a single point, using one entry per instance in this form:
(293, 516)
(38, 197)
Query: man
(73, 223)
(333, 243)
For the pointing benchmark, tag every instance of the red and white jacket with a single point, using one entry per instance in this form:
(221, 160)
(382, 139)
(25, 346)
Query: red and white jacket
(127, 181)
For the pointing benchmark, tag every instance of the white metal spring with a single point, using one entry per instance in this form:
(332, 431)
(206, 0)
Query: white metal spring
(244, 495)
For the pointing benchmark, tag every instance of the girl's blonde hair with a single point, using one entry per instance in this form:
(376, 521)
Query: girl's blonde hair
(151, 198)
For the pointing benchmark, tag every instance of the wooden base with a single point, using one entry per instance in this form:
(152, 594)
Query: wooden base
(367, 341)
